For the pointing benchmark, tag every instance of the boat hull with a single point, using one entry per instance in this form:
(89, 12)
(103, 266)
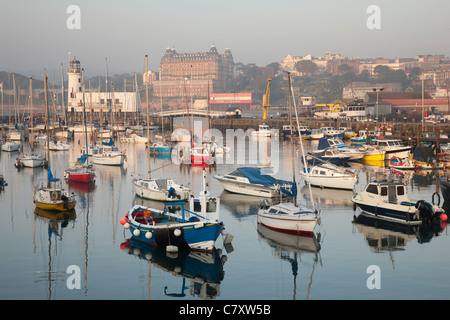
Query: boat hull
(113, 160)
(32, 163)
(198, 236)
(55, 205)
(406, 214)
(248, 189)
(10, 147)
(81, 177)
(291, 225)
(160, 150)
(337, 182)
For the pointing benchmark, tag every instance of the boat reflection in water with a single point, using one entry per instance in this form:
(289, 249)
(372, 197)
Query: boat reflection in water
(324, 198)
(382, 235)
(203, 270)
(81, 187)
(288, 247)
(241, 205)
(57, 221)
(56, 216)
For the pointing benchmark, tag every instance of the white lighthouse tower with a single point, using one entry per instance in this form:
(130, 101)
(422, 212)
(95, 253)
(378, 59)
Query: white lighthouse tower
(74, 82)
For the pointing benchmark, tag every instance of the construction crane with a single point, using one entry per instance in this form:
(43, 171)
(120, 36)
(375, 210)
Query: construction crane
(266, 98)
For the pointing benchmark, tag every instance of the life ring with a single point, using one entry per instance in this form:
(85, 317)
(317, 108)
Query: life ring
(54, 195)
(439, 198)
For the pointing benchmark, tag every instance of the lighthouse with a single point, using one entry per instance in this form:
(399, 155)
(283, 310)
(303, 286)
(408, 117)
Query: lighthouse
(74, 82)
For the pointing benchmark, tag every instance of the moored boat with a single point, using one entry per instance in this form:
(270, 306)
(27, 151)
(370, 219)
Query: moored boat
(53, 198)
(30, 160)
(196, 228)
(80, 172)
(393, 147)
(252, 181)
(162, 189)
(401, 163)
(288, 218)
(388, 200)
(10, 146)
(329, 176)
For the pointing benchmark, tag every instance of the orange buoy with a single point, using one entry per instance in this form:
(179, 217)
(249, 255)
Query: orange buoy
(444, 217)
(123, 220)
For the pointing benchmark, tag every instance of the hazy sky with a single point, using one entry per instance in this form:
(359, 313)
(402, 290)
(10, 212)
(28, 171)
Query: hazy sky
(34, 34)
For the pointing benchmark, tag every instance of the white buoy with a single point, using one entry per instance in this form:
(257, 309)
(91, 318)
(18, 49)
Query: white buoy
(228, 238)
(177, 232)
(136, 232)
(126, 225)
(171, 248)
(148, 235)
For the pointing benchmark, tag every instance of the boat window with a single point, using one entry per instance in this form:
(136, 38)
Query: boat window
(400, 190)
(372, 188)
(384, 191)
(273, 210)
(322, 172)
(236, 173)
(230, 177)
(315, 172)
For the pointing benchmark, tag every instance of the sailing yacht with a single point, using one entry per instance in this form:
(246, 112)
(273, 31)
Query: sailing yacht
(82, 171)
(162, 189)
(52, 198)
(289, 217)
(108, 154)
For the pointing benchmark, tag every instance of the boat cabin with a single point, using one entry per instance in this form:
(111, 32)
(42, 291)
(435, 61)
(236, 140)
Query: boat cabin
(388, 192)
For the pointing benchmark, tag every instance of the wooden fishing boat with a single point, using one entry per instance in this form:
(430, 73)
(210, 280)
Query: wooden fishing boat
(196, 228)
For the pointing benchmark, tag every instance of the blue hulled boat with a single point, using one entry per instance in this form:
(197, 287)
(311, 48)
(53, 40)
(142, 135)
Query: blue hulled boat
(196, 228)
(160, 148)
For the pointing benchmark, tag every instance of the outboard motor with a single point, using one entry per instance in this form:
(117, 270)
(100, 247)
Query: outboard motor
(426, 211)
(66, 201)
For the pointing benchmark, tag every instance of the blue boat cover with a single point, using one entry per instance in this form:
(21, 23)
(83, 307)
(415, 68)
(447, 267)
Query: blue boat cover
(424, 154)
(257, 176)
(323, 143)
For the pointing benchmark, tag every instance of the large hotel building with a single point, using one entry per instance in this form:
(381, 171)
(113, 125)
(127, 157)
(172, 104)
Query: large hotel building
(193, 74)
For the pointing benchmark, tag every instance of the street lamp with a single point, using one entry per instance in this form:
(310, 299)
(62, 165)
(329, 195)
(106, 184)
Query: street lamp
(377, 91)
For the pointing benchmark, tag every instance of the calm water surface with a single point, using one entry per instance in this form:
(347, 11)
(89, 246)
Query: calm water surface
(37, 249)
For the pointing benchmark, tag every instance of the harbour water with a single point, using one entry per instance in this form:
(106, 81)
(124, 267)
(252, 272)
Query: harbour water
(90, 256)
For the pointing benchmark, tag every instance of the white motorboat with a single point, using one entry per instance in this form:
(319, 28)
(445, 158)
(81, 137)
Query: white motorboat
(263, 131)
(316, 134)
(133, 137)
(393, 147)
(108, 155)
(58, 146)
(388, 200)
(330, 132)
(252, 181)
(30, 160)
(160, 189)
(354, 153)
(330, 176)
(10, 146)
